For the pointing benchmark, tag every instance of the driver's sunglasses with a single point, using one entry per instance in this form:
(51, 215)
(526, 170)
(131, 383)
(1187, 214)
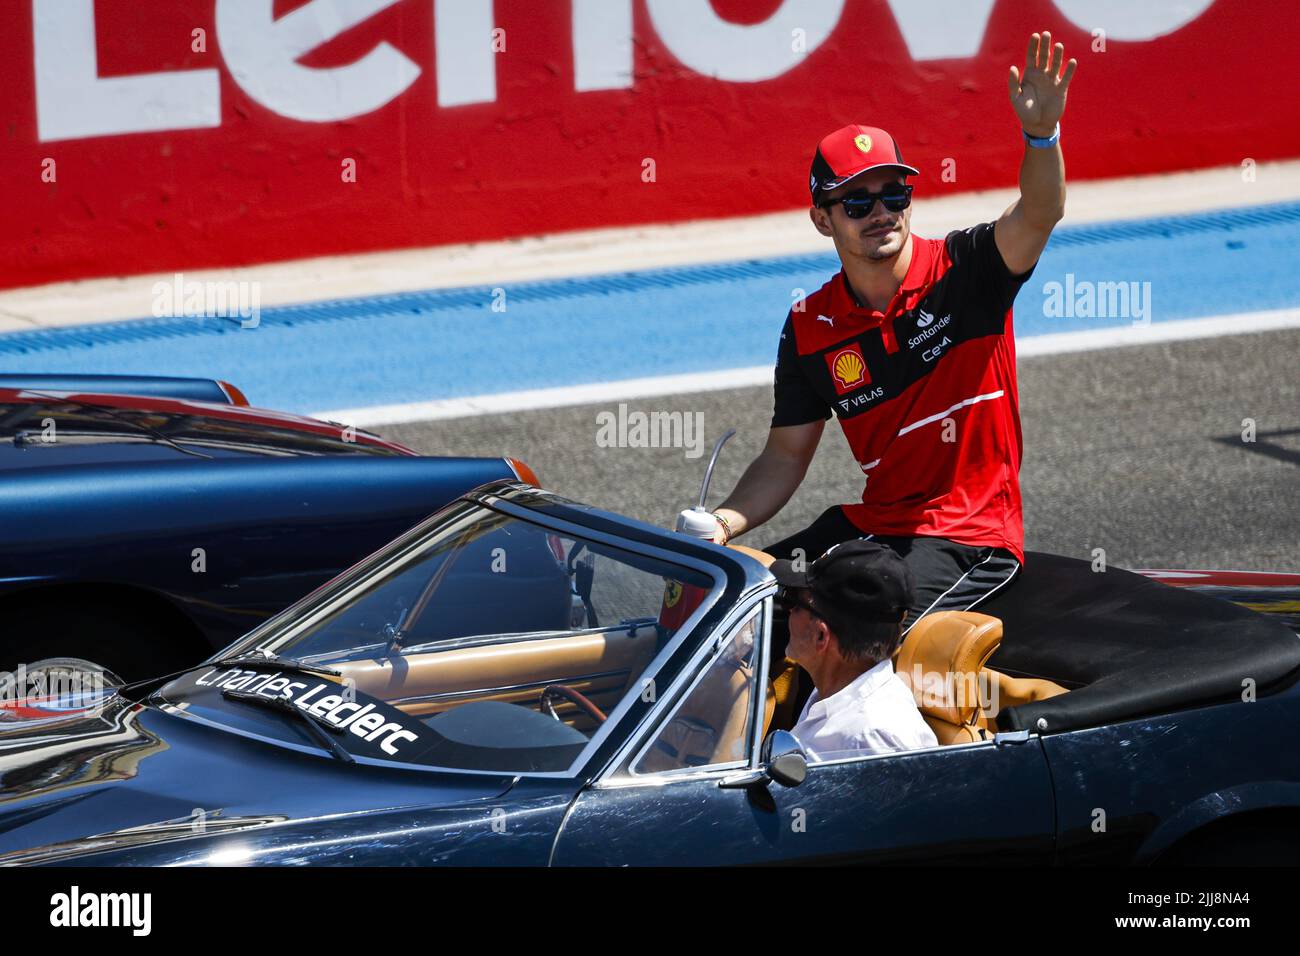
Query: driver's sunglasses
(858, 205)
(788, 600)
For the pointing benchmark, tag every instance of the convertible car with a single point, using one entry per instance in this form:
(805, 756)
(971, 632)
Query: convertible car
(521, 679)
(147, 521)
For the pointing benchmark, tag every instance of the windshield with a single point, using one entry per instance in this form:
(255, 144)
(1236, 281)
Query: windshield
(491, 643)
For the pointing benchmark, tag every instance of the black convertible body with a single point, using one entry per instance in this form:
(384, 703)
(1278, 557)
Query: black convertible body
(525, 680)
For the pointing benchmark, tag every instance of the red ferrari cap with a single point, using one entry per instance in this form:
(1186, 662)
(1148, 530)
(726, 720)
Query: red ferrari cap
(850, 151)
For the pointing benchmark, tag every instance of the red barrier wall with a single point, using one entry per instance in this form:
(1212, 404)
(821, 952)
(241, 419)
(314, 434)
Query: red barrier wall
(454, 142)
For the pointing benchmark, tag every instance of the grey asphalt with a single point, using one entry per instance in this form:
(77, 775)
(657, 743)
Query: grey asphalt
(1136, 450)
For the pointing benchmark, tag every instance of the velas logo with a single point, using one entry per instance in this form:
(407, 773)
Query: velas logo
(848, 368)
(863, 142)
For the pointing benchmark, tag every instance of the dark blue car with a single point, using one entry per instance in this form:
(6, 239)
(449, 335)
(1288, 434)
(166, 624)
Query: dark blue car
(146, 522)
(525, 680)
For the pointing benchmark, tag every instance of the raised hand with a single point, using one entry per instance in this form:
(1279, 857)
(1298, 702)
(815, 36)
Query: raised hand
(1038, 96)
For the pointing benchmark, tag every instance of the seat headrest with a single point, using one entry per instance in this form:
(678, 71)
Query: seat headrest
(941, 658)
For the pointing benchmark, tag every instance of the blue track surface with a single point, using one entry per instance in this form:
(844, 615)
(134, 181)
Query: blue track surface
(447, 343)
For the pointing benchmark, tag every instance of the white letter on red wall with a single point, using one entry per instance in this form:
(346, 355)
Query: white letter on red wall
(942, 29)
(1125, 20)
(261, 53)
(715, 47)
(466, 65)
(602, 44)
(73, 101)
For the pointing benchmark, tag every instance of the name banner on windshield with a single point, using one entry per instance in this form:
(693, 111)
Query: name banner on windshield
(365, 726)
(483, 735)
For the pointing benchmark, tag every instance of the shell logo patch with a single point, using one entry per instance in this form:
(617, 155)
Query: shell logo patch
(863, 142)
(848, 368)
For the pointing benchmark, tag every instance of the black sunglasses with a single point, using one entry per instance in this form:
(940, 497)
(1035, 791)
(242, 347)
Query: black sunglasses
(858, 205)
(787, 601)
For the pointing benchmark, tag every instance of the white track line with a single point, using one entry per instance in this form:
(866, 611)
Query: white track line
(634, 388)
(592, 394)
(1175, 331)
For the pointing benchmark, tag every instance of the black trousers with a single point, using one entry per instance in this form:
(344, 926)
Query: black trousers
(949, 576)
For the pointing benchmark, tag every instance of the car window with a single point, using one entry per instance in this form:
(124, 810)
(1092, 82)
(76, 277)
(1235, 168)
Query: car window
(713, 723)
(495, 644)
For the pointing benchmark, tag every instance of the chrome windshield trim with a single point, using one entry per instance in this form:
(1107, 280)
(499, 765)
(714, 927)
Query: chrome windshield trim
(765, 668)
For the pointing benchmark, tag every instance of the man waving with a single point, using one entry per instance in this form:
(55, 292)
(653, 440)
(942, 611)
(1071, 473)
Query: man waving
(911, 346)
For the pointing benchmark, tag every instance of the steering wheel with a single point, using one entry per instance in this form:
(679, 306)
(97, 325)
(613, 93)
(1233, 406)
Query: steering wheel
(552, 691)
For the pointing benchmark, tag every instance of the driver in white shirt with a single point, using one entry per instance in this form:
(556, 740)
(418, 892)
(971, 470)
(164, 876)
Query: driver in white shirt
(846, 621)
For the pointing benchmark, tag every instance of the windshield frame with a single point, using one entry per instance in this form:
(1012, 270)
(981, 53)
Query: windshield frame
(336, 593)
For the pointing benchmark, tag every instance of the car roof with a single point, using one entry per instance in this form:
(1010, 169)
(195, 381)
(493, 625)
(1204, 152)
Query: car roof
(117, 427)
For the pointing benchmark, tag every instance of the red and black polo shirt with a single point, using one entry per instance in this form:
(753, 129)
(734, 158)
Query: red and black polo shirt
(925, 392)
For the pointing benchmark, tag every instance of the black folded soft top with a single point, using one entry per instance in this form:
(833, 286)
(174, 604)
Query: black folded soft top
(1128, 646)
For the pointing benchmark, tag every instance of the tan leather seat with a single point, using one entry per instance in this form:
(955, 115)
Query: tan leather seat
(943, 660)
(961, 708)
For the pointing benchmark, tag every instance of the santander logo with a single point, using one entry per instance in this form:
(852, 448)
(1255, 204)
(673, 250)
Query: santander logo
(263, 54)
